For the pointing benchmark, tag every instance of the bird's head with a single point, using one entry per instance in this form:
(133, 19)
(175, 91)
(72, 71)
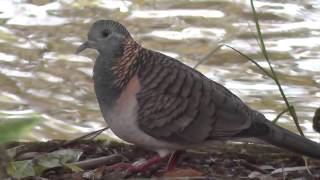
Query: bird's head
(105, 36)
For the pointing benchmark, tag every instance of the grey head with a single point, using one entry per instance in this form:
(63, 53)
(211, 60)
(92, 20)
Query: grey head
(106, 36)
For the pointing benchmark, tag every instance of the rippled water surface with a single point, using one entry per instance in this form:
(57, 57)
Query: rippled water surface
(41, 76)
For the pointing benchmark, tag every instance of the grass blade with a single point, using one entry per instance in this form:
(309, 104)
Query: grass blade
(265, 54)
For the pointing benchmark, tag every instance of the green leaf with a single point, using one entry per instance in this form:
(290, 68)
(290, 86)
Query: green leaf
(67, 155)
(35, 167)
(21, 169)
(73, 167)
(56, 159)
(12, 129)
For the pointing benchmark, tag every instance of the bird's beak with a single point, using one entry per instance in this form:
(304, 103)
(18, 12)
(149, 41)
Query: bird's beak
(85, 45)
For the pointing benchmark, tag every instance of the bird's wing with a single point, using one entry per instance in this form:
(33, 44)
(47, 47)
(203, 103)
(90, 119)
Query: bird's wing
(179, 104)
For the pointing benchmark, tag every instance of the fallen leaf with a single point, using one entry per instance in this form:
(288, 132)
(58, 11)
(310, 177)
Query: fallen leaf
(21, 169)
(35, 167)
(183, 173)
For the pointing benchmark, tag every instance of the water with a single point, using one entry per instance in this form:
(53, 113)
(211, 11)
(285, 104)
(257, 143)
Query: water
(41, 76)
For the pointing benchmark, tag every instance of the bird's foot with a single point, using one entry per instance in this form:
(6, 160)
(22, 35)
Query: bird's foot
(136, 168)
(141, 167)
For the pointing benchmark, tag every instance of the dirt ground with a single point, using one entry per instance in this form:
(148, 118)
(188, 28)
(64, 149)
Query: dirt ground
(228, 161)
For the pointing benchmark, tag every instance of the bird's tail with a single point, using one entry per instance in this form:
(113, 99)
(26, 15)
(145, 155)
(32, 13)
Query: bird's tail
(278, 136)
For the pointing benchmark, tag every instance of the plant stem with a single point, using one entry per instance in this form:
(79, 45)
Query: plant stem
(265, 54)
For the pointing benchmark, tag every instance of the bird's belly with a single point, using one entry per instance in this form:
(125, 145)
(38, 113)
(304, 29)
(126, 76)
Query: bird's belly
(123, 121)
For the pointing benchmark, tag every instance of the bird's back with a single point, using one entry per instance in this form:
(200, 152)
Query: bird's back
(179, 104)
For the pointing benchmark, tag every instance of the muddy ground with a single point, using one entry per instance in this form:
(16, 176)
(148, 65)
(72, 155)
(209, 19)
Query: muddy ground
(227, 161)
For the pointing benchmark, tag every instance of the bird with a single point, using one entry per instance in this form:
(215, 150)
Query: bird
(316, 120)
(156, 102)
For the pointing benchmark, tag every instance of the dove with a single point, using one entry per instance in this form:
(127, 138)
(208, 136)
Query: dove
(156, 102)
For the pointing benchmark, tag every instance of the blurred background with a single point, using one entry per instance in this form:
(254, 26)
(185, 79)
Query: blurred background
(40, 76)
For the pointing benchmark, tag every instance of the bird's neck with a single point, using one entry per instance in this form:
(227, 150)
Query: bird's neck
(113, 73)
(127, 64)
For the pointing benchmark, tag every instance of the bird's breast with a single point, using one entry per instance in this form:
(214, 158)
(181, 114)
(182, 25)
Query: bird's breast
(124, 113)
(123, 119)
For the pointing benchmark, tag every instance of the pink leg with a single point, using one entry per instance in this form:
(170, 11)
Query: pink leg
(173, 160)
(138, 168)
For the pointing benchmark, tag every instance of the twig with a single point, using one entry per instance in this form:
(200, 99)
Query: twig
(4, 159)
(305, 158)
(90, 135)
(252, 166)
(95, 162)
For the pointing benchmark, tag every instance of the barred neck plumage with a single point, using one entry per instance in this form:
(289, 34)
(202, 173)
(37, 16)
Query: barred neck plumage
(126, 65)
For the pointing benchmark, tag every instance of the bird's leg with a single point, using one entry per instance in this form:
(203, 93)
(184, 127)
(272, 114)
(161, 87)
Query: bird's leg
(172, 162)
(132, 168)
(135, 168)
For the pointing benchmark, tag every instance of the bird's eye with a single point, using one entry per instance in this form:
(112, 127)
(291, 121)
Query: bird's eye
(105, 33)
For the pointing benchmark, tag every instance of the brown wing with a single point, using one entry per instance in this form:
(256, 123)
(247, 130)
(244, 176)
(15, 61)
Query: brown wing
(179, 104)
